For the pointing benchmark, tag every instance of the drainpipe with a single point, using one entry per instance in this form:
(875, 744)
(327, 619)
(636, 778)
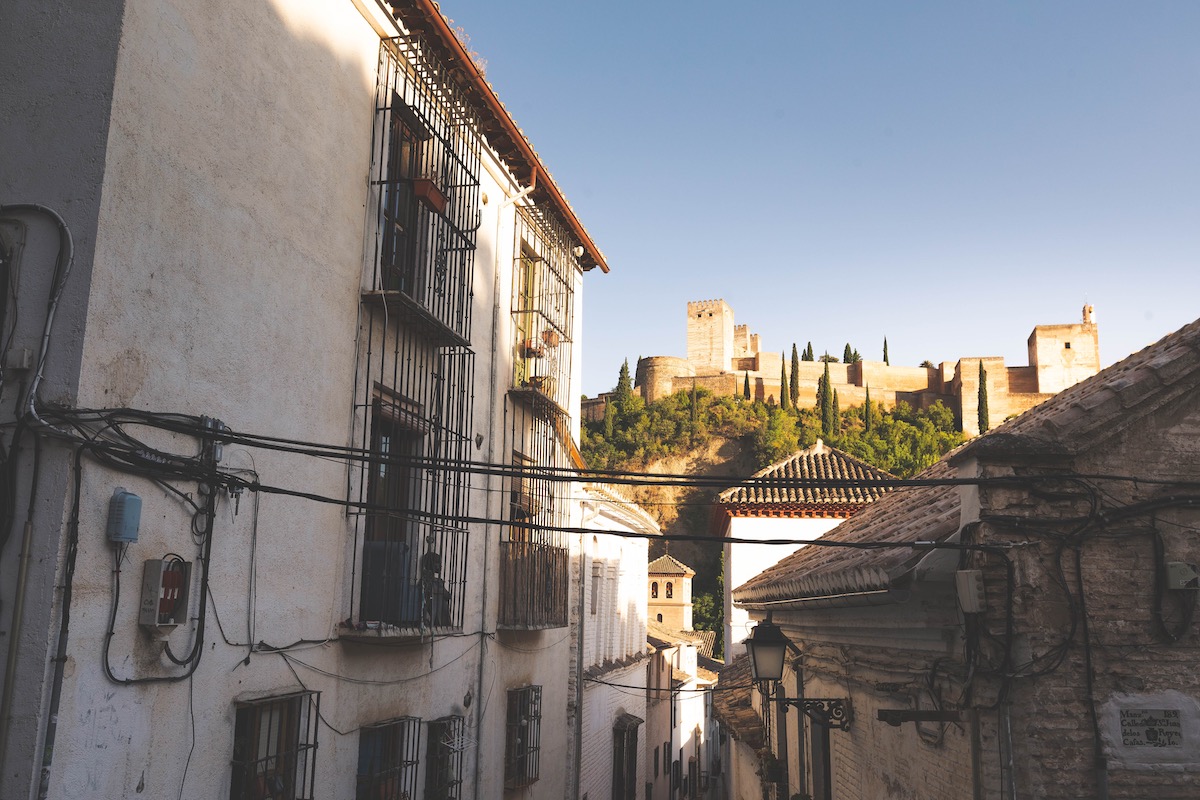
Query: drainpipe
(493, 378)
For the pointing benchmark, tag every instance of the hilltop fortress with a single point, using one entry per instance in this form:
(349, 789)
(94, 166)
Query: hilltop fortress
(720, 355)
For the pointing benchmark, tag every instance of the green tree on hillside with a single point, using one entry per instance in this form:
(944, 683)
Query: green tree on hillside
(825, 402)
(784, 391)
(847, 355)
(837, 414)
(983, 399)
(867, 410)
(794, 386)
(746, 387)
(624, 385)
(808, 353)
(885, 353)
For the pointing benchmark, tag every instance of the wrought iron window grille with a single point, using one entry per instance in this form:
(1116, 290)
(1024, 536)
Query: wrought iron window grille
(522, 747)
(388, 759)
(425, 188)
(274, 748)
(443, 771)
(543, 309)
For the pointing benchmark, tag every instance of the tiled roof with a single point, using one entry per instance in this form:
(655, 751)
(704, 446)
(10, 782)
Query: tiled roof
(819, 462)
(731, 703)
(708, 640)
(667, 564)
(905, 515)
(1088, 413)
(1073, 421)
(665, 635)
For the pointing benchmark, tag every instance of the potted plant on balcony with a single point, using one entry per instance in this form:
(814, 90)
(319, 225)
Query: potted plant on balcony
(551, 337)
(531, 348)
(428, 189)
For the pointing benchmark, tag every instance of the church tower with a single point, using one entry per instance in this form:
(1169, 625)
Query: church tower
(670, 593)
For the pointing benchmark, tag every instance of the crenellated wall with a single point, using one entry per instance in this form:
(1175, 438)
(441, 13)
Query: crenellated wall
(721, 356)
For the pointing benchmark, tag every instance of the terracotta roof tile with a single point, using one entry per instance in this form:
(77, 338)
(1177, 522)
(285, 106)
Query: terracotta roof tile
(907, 514)
(732, 706)
(669, 565)
(819, 462)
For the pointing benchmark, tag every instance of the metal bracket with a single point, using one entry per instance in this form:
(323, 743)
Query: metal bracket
(832, 712)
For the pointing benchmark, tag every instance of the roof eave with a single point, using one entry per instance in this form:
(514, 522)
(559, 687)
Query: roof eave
(505, 136)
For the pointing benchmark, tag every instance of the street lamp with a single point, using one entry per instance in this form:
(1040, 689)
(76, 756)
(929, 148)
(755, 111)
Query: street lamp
(767, 647)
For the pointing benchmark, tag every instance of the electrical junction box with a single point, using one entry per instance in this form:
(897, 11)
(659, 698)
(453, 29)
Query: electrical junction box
(165, 586)
(971, 596)
(1181, 575)
(124, 517)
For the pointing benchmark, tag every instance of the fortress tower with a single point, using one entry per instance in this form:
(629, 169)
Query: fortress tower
(1063, 355)
(710, 336)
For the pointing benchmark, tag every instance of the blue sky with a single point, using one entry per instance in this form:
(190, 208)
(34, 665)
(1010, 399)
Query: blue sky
(947, 175)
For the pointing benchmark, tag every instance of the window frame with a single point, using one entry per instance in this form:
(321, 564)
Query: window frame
(393, 766)
(522, 742)
(283, 766)
(443, 761)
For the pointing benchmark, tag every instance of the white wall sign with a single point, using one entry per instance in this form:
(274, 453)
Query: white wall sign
(1147, 731)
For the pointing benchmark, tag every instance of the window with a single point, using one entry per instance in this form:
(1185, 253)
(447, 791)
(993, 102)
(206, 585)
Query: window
(523, 743)
(545, 270)
(624, 777)
(387, 760)
(660, 617)
(654, 589)
(402, 580)
(523, 501)
(425, 183)
(274, 748)
(595, 600)
(670, 589)
(443, 771)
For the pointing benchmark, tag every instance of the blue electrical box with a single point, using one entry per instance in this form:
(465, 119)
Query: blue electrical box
(124, 517)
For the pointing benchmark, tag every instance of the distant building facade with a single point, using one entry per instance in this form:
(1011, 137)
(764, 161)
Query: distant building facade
(722, 356)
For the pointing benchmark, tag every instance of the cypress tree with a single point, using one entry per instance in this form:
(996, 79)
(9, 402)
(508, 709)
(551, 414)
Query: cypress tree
(746, 387)
(795, 384)
(983, 399)
(885, 355)
(808, 353)
(826, 402)
(784, 392)
(867, 411)
(624, 384)
(847, 355)
(610, 416)
(837, 414)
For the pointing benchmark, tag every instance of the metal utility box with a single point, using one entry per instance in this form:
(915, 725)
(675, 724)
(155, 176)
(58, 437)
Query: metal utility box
(165, 587)
(124, 517)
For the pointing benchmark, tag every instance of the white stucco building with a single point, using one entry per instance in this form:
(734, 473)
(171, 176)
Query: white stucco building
(609, 632)
(290, 392)
(761, 511)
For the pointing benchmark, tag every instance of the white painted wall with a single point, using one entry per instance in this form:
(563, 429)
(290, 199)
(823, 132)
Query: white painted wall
(744, 561)
(612, 627)
(226, 278)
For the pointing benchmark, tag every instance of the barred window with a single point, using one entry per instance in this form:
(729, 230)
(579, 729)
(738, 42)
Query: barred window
(443, 770)
(522, 747)
(274, 748)
(624, 760)
(388, 754)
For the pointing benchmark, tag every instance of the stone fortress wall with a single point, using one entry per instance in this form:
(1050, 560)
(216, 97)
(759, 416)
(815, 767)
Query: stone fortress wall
(721, 355)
